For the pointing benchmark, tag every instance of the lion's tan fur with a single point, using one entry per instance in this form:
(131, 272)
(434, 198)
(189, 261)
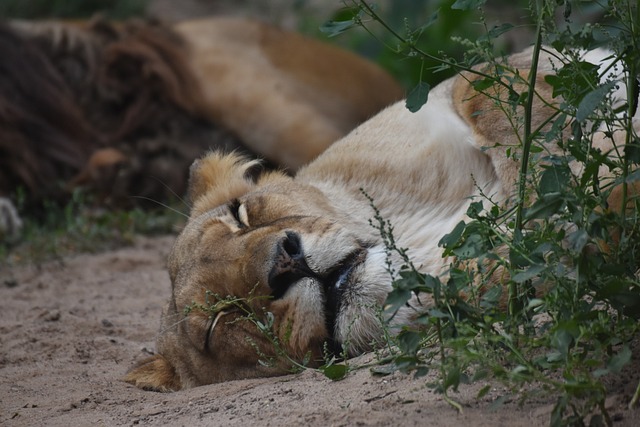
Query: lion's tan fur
(304, 240)
(296, 96)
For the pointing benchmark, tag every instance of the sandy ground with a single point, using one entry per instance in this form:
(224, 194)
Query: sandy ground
(70, 329)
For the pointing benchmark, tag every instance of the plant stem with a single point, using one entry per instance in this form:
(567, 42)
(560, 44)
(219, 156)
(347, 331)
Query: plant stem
(527, 140)
(528, 135)
(452, 403)
(635, 397)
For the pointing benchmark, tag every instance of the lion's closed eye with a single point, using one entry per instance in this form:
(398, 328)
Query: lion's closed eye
(239, 212)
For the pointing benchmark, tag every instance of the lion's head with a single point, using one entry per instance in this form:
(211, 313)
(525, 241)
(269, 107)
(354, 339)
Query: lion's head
(261, 256)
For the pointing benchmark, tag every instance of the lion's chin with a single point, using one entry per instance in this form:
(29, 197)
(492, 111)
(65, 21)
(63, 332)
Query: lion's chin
(358, 322)
(338, 283)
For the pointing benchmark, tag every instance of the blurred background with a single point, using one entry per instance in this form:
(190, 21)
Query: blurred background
(446, 34)
(307, 16)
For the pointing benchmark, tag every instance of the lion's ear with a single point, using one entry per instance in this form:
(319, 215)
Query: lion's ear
(218, 178)
(154, 373)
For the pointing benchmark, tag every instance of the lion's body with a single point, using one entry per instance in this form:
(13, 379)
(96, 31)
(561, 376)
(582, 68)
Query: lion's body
(287, 96)
(162, 96)
(304, 249)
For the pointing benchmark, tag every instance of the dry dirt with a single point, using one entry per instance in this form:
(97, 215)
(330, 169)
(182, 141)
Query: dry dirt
(70, 329)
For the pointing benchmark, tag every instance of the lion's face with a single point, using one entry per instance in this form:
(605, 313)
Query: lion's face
(274, 246)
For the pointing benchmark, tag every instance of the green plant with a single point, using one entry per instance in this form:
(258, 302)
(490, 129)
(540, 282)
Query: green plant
(216, 305)
(437, 28)
(334, 366)
(570, 304)
(437, 25)
(79, 226)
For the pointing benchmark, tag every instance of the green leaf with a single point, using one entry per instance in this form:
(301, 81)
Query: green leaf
(563, 338)
(475, 209)
(591, 101)
(472, 247)
(574, 81)
(452, 238)
(410, 279)
(406, 363)
(547, 205)
(421, 371)
(384, 370)
(418, 96)
(534, 303)
(409, 342)
(491, 297)
(432, 283)
(333, 28)
(483, 84)
(498, 403)
(554, 356)
(520, 370)
(467, 4)
(554, 179)
(555, 133)
(632, 152)
(335, 372)
(557, 413)
(483, 391)
(578, 239)
(590, 171)
(452, 379)
(432, 20)
(439, 314)
(396, 299)
(496, 31)
(620, 360)
(529, 273)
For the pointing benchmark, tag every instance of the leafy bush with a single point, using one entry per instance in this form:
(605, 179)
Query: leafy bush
(570, 304)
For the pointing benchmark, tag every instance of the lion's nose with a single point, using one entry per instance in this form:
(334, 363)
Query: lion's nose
(289, 265)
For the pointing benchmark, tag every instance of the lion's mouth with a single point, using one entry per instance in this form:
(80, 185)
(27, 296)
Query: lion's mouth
(336, 283)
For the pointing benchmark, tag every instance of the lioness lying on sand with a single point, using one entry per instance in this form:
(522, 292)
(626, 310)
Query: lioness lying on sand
(303, 249)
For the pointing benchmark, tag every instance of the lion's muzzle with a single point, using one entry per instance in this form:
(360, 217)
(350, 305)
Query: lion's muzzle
(289, 265)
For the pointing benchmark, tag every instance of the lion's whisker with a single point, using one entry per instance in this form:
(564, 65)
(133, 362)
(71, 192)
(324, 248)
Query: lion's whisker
(164, 205)
(169, 327)
(177, 196)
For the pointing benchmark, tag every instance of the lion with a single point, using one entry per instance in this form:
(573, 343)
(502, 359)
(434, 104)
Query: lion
(122, 109)
(300, 252)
